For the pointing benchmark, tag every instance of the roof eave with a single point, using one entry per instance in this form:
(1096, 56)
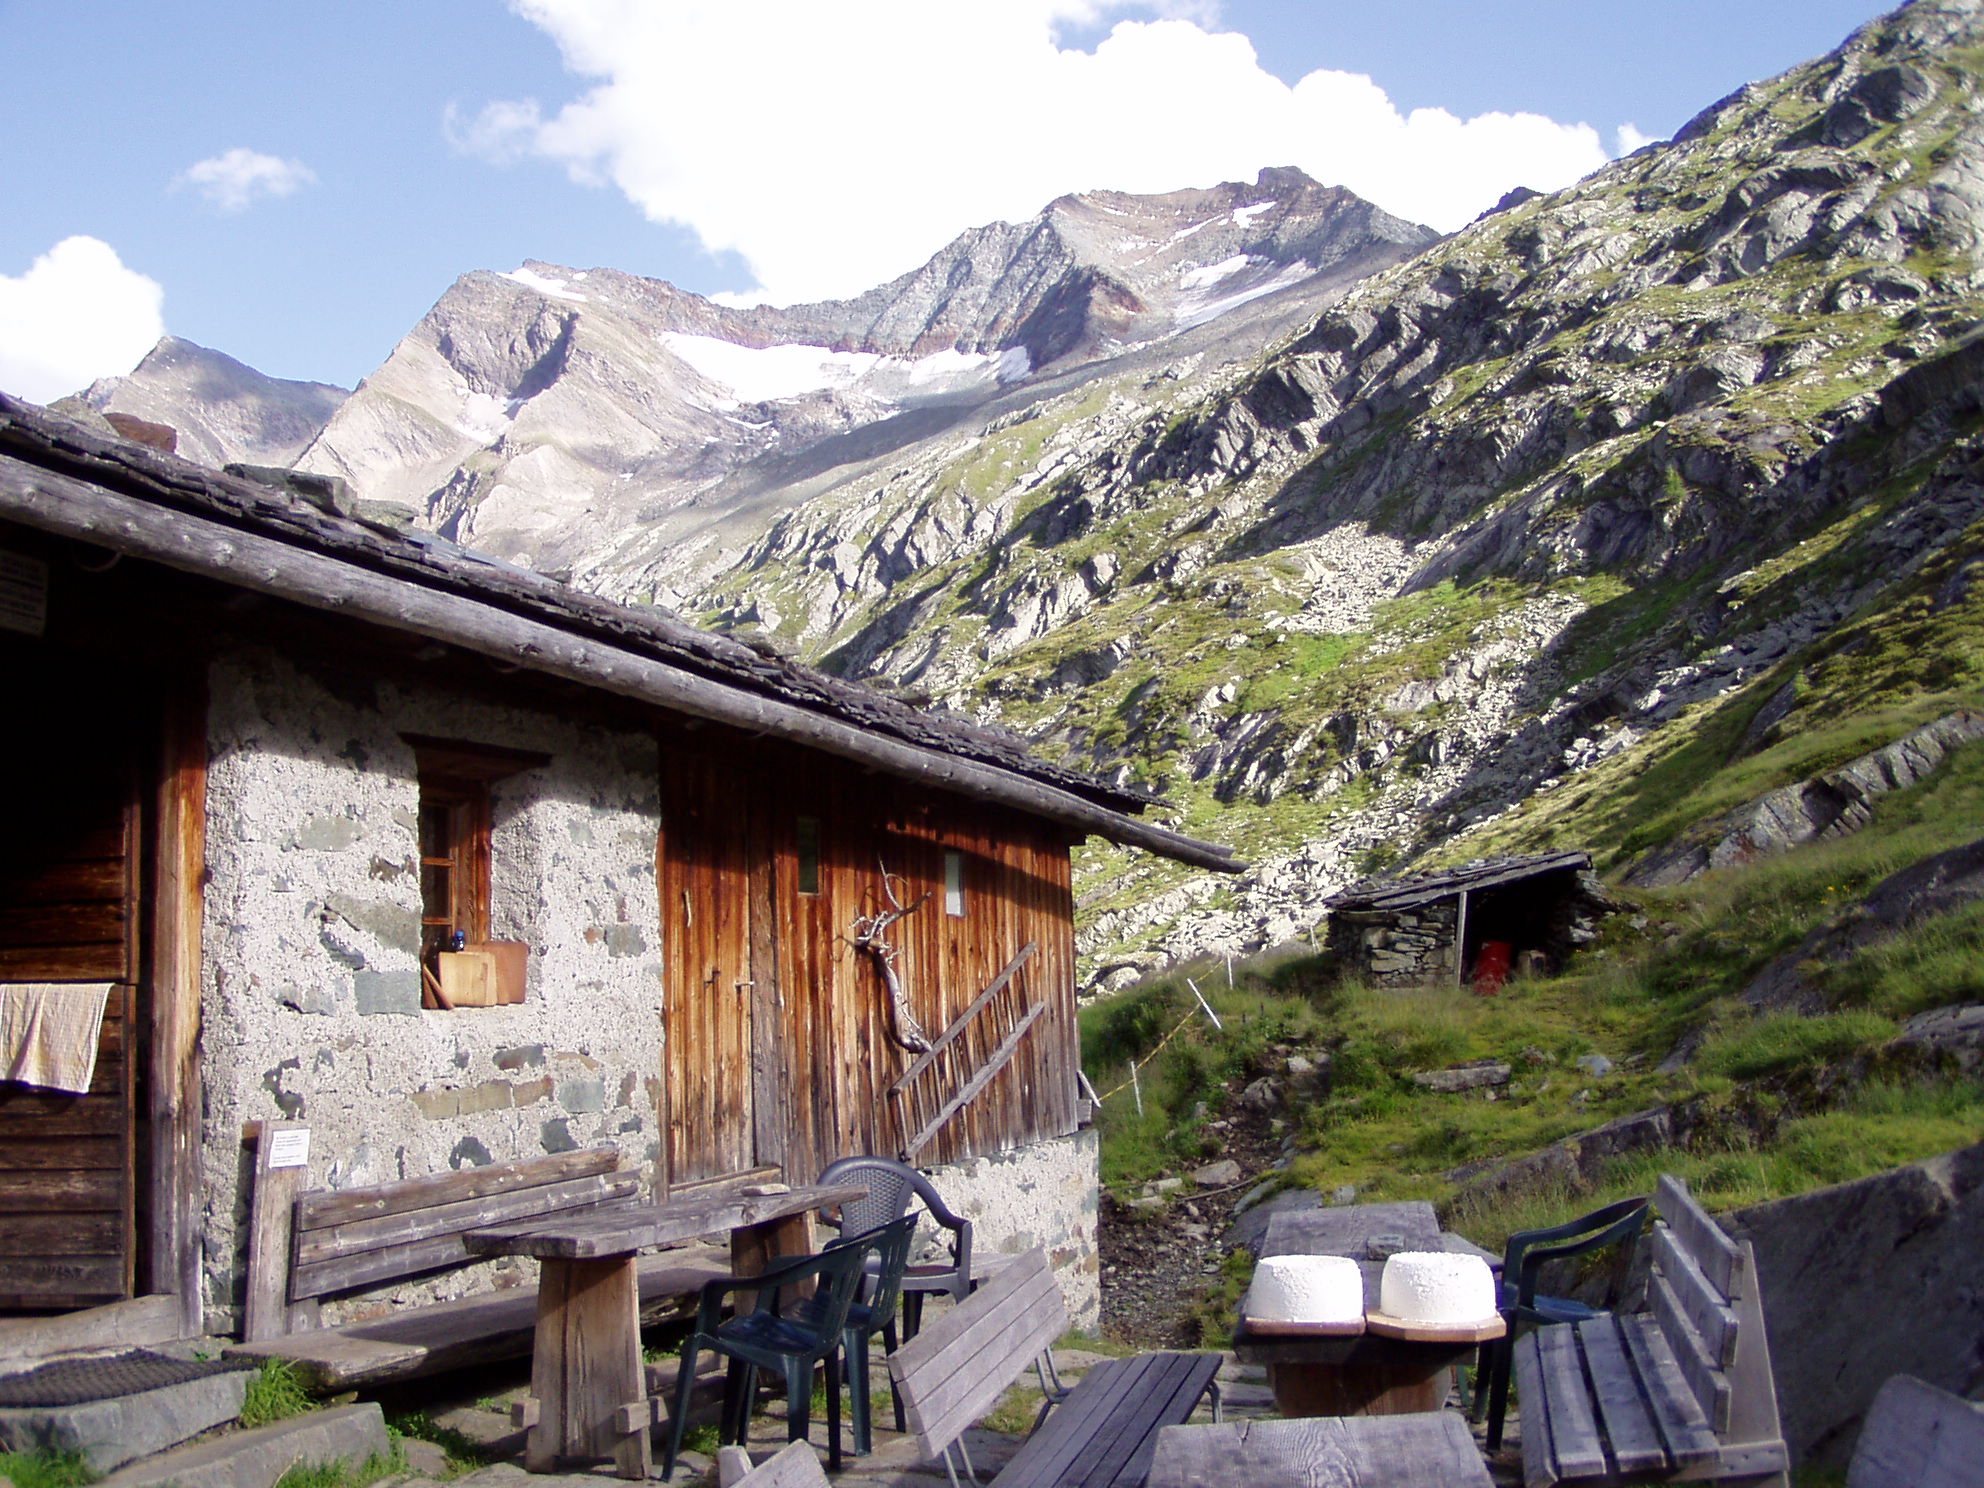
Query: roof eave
(65, 505)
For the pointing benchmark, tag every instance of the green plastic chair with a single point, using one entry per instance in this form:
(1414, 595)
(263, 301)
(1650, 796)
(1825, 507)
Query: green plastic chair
(768, 1338)
(1522, 1263)
(885, 1254)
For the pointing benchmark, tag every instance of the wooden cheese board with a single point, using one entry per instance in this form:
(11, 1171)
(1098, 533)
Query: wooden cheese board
(1282, 1328)
(1386, 1326)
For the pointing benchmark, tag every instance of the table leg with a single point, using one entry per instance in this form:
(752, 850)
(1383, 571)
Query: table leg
(586, 1376)
(1384, 1389)
(754, 1247)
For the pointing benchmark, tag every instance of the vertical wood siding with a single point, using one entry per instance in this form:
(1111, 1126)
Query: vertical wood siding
(825, 1020)
(68, 913)
(704, 886)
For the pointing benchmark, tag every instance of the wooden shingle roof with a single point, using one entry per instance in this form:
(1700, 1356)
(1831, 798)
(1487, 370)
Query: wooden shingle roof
(61, 477)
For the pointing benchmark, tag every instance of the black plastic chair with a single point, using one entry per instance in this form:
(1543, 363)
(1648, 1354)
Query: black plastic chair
(767, 1338)
(1528, 1252)
(873, 1311)
(892, 1187)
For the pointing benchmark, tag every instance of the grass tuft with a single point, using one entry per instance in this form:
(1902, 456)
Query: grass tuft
(464, 1453)
(45, 1469)
(275, 1394)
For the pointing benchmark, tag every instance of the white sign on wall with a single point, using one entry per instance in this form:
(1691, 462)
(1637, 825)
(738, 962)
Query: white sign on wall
(289, 1147)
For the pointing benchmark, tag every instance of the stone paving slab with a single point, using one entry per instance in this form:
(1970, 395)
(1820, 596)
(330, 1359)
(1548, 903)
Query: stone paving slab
(255, 1459)
(110, 1433)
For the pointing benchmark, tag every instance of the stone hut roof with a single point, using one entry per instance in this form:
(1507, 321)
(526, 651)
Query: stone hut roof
(302, 538)
(1382, 895)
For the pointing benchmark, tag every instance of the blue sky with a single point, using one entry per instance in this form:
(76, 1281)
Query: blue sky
(804, 147)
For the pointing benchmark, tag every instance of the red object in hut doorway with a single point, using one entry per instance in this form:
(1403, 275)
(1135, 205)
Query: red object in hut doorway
(1491, 967)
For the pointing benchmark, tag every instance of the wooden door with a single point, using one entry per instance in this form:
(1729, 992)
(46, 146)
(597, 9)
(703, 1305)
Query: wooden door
(706, 882)
(69, 894)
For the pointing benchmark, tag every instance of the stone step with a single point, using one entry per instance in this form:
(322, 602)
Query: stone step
(110, 1433)
(255, 1459)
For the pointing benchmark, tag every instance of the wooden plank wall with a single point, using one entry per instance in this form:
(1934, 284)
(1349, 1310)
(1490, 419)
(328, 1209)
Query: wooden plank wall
(704, 877)
(833, 1027)
(68, 913)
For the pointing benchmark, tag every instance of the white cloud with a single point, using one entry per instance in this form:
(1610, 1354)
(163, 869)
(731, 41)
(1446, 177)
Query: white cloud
(833, 146)
(502, 132)
(76, 315)
(234, 180)
(1628, 138)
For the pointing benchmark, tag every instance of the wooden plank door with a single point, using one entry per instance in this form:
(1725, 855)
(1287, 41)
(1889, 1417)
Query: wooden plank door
(69, 896)
(706, 881)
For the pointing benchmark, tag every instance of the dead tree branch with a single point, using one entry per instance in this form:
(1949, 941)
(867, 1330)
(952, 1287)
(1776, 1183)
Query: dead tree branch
(869, 934)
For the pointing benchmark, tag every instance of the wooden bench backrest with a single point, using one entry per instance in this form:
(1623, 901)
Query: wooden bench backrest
(1917, 1436)
(1702, 1289)
(354, 1237)
(955, 1370)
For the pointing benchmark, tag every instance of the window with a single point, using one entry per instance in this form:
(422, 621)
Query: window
(454, 864)
(954, 884)
(808, 853)
(454, 826)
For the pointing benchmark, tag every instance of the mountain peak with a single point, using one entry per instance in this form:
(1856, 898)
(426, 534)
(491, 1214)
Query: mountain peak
(222, 410)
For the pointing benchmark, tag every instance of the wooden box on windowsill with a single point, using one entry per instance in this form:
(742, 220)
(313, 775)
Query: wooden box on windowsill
(487, 973)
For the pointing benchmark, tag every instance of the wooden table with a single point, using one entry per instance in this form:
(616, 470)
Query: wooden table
(588, 1395)
(1365, 1374)
(1415, 1451)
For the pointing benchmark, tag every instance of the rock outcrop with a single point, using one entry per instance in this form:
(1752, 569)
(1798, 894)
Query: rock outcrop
(1868, 1279)
(1936, 886)
(1830, 805)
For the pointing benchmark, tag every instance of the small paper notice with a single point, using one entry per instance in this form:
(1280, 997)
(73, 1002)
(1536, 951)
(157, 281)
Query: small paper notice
(289, 1147)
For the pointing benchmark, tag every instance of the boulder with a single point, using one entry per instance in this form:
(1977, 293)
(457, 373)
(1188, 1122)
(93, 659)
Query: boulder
(1479, 1075)
(1221, 1174)
(1955, 1031)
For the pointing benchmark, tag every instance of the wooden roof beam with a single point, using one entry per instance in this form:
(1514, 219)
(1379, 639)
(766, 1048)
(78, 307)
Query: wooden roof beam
(64, 505)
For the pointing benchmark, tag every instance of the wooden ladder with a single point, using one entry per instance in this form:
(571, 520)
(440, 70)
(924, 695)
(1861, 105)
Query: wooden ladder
(945, 1065)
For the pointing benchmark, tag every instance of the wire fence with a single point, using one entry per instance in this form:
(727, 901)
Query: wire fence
(1133, 1084)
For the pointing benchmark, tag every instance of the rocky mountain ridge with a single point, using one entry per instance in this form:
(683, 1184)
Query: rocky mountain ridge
(1502, 542)
(1506, 521)
(553, 415)
(222, 410)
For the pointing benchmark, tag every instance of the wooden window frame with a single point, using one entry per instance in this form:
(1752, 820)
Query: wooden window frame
(452, 837)
(806, 854)
(954, 878)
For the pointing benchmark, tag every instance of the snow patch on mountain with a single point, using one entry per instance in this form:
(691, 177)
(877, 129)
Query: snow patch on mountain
(1197, 309)
(764, 374)
(485, 418)
(1207, 275)
(545, 285)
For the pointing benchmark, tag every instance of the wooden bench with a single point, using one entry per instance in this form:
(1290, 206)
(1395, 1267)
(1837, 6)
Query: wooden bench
(1917, 1436)
(792, 1466)
(1100, 1434)
(1682, 1391)
(1420, 1449)
(345, 1239)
